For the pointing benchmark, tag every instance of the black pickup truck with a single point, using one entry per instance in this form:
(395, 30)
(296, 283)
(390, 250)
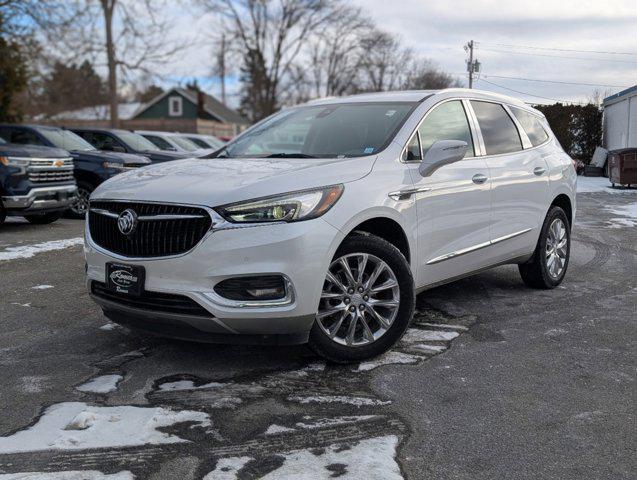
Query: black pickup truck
(35, 182)
(92, 166)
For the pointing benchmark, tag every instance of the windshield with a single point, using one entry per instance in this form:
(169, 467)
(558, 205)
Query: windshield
(340, 130)
(184, 143)
(136, 141)
(66, 139)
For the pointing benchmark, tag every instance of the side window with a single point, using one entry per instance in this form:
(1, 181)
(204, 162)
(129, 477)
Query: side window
(412, 152)
(499, 133)
(102, 141)
(531, 125)
(446, 122)
(159, 142)
(24, 137)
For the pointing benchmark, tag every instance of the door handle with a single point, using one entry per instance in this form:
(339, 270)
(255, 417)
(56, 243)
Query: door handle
(539, 171)
(479, 178)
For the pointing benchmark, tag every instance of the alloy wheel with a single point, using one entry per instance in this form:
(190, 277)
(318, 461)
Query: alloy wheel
(556, 248)
(80, 206)
(359, 301)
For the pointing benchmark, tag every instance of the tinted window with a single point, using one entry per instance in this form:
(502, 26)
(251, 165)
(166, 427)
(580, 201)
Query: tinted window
(446, 122)
(24, 137)
(499, 133)
(160, 142)
(339, 130)
(199, 142)
(65, 139)
(531, 125)
(103, 141)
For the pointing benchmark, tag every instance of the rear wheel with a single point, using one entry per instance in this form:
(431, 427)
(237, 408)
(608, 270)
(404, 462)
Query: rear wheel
(80, 206)
(43, 218)
(366, 303)
(547, 267)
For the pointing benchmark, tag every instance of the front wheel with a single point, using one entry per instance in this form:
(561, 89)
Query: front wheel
(80, 206)
(43, 218)
(547, 267)
(366, 303)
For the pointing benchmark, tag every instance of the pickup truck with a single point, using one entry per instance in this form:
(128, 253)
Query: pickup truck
(92, 166)
(35, 182)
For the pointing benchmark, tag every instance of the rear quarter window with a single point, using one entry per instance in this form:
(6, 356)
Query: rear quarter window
(532, 125)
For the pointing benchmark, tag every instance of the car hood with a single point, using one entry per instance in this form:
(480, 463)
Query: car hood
(115, 157)
(31, 151)
(218, 181)
(164, 155)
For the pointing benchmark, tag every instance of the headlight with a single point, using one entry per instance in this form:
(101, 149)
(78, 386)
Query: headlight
(289, 207)
(14, 162)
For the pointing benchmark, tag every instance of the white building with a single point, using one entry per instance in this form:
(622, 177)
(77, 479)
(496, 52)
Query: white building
(620, 119)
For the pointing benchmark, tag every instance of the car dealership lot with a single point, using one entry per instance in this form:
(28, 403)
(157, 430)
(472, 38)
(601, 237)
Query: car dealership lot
(494, 380)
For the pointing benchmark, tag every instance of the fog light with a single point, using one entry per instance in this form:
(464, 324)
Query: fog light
(256, 288)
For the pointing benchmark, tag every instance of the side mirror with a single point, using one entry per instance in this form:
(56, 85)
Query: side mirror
(441, 153)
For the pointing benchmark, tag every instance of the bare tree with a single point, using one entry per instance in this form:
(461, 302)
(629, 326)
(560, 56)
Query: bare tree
(384, 63)
(268, 36)
(125, 36)
(423, 75)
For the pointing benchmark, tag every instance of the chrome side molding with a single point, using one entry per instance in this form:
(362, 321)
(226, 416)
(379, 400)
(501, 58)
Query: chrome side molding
(479, 246)
(407, 193)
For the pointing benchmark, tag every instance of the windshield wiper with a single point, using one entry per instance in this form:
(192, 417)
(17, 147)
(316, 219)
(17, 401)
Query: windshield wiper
(289, 155)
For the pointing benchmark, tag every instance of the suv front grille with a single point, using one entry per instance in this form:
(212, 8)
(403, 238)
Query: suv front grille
(151, 301)
(162, 229)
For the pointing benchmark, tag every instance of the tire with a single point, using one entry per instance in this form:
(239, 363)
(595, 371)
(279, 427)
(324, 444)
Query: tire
(43, 218)
(369, 336)
(78, 209)
(547, 268)
(3, 214)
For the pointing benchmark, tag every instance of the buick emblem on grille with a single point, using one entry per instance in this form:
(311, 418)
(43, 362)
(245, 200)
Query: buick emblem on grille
(127, 221)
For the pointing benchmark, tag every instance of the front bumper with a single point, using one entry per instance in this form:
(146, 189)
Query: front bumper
(300, 251)
(41, 199)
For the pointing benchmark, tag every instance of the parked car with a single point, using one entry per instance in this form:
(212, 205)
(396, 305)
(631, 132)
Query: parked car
(36, 183)
(124, 141)
(169, 141)
(204, 141)
(321, 223)
(92, 166)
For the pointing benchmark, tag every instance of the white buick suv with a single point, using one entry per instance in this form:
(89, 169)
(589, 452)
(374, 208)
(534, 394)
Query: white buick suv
(321, 223)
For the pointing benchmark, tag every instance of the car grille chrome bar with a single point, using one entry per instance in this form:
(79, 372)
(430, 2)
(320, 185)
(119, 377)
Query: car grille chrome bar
(162, 230)
(50, 170)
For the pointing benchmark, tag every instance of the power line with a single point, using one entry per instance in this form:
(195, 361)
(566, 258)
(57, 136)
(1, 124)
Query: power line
(529, 94)
(557, 81)
(559, 56)
(556, 49)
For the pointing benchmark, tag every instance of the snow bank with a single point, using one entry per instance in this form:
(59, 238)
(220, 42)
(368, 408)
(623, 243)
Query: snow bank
(103, 384)
(628, 212)
(597, 185)
(78, 426)
(391, 357)
(28, 251)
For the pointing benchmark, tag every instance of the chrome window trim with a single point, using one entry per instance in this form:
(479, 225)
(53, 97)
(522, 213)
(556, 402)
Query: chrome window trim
(473, 248)
(415, 130)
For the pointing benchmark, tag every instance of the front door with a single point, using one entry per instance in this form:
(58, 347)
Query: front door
(454, 204)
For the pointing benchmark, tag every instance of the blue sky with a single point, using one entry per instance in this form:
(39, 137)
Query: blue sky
(529, 40)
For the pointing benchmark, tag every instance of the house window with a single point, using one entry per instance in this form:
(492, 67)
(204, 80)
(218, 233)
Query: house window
(175, 106)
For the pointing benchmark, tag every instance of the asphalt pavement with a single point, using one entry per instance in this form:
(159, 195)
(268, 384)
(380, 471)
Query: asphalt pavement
(493, 380)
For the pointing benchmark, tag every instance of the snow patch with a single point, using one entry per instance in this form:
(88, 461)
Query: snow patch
(369, 458)
(33, 384)
(21, 304)
(391, 357)
(78, 426)
(628, 212)
(228, 468)
(275, 429)
(42, 287)
(356, 401)
(28, 251)
(426, 348)
(69, 475)
(329, 422)
(597, 185)
(103, 384)
(417, 335)
(109, 326)
(187, 385)
(460, 328)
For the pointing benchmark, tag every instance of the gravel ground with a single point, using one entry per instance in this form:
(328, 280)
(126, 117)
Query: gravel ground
(494, 380)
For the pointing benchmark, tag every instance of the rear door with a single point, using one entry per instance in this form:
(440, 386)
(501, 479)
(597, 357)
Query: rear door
(519, 176)
(454, 203)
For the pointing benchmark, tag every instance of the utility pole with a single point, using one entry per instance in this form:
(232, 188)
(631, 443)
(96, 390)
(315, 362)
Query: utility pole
(221, 67)
(473, 66)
